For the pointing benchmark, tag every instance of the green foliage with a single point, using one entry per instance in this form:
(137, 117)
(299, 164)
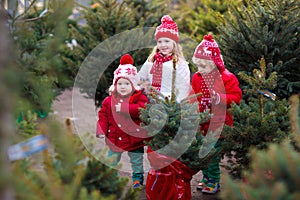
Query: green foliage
(198, 18)
(62, 171)
(275, 175)
(71, 172)
(258, 122)
(264, 28)
(174, 128)
(95, 180)
(38, 40)
(149, 13)
(28, 126)
(274, 171)
(105, 20)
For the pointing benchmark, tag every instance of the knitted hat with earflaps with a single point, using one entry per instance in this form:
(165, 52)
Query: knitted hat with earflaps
(125, 70)
(208, 49)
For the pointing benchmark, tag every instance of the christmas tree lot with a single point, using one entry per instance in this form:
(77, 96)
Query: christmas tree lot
(43, 48)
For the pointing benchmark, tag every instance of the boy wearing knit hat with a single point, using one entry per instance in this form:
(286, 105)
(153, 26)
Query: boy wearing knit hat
(158, 68)
(219, 88)
(118, 119)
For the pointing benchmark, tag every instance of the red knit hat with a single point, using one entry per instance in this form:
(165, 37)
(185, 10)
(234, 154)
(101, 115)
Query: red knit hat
(168, 29)
(125, 70)
(208, 49)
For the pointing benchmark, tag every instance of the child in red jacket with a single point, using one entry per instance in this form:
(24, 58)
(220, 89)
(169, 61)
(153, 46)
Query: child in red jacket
(219, 88)
(118, 118)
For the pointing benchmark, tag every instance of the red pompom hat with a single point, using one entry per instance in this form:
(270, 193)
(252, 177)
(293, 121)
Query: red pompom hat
(168, 29)
(126, 70)
(208, 49)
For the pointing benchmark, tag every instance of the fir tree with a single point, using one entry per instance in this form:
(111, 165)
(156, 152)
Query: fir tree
(260, 120)
(71, 172)
(34, 33)
(264, 28)
(149, 13)
(174, 128)
(197, 18)
(274, 173)
(63, 171)
(105, 20)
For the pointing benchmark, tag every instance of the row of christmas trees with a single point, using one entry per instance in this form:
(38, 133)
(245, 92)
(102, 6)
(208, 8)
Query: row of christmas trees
(250, 30)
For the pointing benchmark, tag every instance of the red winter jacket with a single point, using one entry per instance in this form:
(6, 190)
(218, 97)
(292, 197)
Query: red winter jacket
(227, 85)
(122, 129)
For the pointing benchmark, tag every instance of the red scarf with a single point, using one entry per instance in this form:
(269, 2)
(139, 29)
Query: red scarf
(156, 69)
(207, 85)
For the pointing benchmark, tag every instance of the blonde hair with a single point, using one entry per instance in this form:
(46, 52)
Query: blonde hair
(177, 52)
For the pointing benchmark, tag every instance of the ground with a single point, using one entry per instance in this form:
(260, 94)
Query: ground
(72, 104)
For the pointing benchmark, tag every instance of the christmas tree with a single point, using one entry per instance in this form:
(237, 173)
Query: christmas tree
(260, 120)
(101, 41)
(264, 28)
(65, 170)
(112, 29)
(38, 40)
(72, 173)
(174, 128)
(197, 18)
(274, 173)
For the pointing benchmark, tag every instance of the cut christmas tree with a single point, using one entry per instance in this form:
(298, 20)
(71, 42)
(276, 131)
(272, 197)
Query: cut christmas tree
(177, 149)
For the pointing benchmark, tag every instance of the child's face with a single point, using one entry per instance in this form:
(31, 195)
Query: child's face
(165, 46)
(204, 66)
(124, 87)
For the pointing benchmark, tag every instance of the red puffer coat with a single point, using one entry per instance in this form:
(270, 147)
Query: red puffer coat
(122, 129)
(227, 86)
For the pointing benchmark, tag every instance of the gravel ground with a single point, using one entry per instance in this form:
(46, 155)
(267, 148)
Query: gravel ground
(72, 104)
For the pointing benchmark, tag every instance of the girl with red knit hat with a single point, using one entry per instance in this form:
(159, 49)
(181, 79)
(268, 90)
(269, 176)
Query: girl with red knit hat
(219, 88)
(166, 181)
(118, 119)
(158, 68)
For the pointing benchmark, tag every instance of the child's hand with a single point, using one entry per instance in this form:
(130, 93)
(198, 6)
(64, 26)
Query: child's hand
(215, 97)
(118, 107)
(145, 86)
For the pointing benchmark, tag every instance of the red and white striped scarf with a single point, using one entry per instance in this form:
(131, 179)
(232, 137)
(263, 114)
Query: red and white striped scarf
(156, 69)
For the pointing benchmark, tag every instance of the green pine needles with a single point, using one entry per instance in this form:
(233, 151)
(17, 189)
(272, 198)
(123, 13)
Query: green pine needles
(264, 28)
(174, 128)
(259, 121)
(275, 172)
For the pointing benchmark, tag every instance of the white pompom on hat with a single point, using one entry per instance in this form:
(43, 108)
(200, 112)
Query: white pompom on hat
(125, 70)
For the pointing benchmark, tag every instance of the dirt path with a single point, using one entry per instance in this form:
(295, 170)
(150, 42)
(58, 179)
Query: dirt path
(71, 103)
